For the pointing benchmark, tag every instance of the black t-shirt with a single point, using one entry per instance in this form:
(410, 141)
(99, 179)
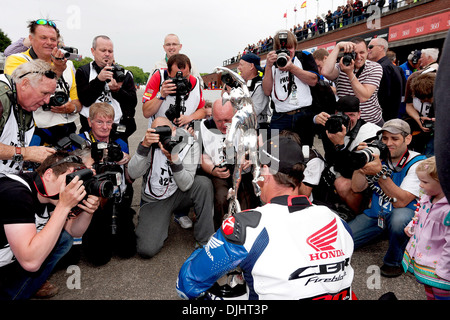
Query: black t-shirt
(18, 203)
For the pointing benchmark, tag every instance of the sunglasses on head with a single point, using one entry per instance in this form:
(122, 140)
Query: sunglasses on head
(49, 74)
(44, 22)
(68, 159)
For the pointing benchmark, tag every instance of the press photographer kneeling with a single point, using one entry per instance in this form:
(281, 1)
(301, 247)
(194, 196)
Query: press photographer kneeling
(394, 188)
(112, 228)
(36, 224)
(343, 132)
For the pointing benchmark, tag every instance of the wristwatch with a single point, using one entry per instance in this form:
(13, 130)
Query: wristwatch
(18, 156)
(159, 96)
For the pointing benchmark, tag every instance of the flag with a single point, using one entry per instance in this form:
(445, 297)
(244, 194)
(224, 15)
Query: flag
(303, 4)
(295, 8)
(285, 15)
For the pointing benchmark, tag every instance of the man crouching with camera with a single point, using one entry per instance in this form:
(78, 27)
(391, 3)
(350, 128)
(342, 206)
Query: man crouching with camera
(168, 158)
(395, 188)
(36, 227)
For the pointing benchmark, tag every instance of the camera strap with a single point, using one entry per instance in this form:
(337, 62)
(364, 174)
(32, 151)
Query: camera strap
(358, 73)
(290, 83)
(40, 187)
(401, 164)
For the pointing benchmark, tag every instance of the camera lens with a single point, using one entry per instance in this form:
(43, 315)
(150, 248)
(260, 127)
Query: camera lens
(100, 188)
(282, 59)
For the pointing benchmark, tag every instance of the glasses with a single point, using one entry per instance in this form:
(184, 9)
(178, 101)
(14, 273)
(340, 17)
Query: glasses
(49, 74)
(101, 123)
(44, 22)
(171, 44)
(68, 159)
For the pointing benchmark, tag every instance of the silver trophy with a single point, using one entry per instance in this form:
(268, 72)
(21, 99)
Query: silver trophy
(242, 128)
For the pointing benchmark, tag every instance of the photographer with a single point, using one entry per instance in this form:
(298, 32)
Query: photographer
(169, 183)
(288, 77)
(212, 135)
(344, 132)
(105, 235)
(354, 75)
(36, 229)
(421, 111)
(29, 87)
(251, 71)
(56, 118)
(104, 81)
(174, 93)
(395, 187)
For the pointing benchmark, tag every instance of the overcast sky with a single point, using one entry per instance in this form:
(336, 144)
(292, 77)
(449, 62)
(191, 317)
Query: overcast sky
(211, 31)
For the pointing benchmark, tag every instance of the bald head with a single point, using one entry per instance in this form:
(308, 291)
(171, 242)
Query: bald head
(222, 114)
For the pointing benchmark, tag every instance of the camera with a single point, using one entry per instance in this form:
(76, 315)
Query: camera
(428, 124)
(58, 99)
(101, 185)
(348, 57)
(335, 122)
(114, 152)
(229, 81)
(183, 85)
(361, 157)
(415, 56)
(283, 54)
(118, 72)
(165, 137)
(71, 53)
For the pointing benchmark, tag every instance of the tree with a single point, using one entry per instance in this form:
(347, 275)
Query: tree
(4, 41)
(139, 76)
(84, 61)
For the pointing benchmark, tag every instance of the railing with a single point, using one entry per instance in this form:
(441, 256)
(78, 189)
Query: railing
(337, 22)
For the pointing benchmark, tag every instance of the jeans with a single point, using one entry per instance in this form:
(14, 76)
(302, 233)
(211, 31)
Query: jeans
(18, 284)
(300, 122)
(365, 229)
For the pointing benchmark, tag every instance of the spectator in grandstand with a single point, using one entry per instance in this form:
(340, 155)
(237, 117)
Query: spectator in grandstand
(356, 76)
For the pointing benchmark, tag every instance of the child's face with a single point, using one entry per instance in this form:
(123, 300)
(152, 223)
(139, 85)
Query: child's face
(430, 186)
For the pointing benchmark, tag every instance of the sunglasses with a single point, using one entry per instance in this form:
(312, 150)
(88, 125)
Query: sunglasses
(49, 74)
(68, 159)
(372, 46)
(44, 22)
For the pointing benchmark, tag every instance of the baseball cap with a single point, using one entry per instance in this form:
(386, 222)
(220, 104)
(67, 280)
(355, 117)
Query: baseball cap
(281, 154)
(348, 104)
(395, 126)
(253, 58)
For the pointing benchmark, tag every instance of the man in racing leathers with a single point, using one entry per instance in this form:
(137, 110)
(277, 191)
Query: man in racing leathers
(287, 249)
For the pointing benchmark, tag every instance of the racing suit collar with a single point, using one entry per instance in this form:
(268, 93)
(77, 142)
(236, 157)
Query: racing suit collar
(295, 203)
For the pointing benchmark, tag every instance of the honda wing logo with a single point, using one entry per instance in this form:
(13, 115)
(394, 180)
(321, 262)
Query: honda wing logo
(213, 243)
(322, 241)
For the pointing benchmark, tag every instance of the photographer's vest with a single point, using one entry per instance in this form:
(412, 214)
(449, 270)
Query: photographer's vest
(9, 127)
(105, 97)
(190, 104)
(378, 205)
(45, 119)
(160, 183)
(282, 91)
(212, 140)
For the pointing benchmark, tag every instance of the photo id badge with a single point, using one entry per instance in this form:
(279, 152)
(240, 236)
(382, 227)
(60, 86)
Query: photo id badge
(381, 221)
(294, 99)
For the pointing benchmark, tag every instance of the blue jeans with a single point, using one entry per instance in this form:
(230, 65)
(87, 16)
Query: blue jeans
(18, 284)
(300, 122)
(365, 229)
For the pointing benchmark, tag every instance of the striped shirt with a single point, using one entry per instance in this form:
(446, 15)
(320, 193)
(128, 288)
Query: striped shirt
(372, 74)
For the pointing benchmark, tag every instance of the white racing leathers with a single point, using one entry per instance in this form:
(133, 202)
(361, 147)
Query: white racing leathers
(287, 249)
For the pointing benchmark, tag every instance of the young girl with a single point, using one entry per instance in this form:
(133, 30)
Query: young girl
(427, 253)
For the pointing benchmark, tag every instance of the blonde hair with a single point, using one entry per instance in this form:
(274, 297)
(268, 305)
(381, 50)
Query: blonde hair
(429, 167)
(102, 109)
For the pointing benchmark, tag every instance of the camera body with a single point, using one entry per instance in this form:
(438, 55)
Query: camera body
(428, 124)
(229, 81)
(335, 122)
(71, 53)
(360, 158)
(101, 185)
(283, 54)
(183, 86)
(165, 137)
(59, 98)
(114, 152)
(415, 56)
(118, 72)
(348, 57)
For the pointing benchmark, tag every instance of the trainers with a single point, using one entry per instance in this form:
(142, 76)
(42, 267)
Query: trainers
(390, 271)
(46, 291)
(184, 222)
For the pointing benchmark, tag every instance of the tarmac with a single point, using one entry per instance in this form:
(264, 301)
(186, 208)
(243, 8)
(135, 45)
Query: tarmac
(142, 279)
